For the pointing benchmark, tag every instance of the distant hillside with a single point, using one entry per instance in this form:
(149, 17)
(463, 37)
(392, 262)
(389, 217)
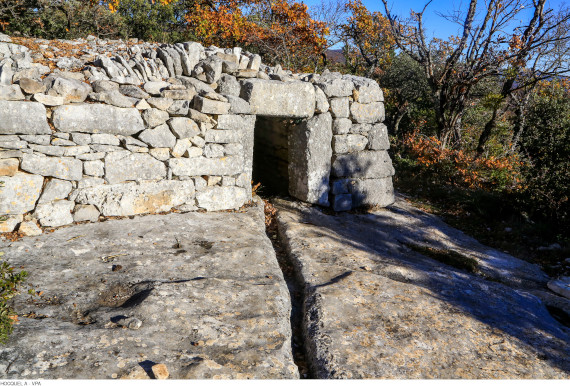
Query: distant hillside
(335, 56)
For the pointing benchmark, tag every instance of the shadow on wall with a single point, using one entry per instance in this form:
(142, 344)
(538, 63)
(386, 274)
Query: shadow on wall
(496, 299)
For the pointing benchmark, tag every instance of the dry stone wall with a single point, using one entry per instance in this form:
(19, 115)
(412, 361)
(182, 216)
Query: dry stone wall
(114, 128)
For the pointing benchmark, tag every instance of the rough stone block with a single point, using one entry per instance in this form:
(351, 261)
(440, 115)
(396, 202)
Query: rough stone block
(363, 164)
(366, 90)
(11, 93)
(238, 105)
(349, 143)
(97, 118)
(94, 168)
(223, 136)
(339, 107)
(221, 197)
(310, 159)
(183, 127)
(235, 122)
(322, 103)
(367, 113)
(201, 166)
(335, 86)
(23, 118)
(378, 138)
(10, 223)
(279, 99)
(342, 202)
(70, 89)
(131, 198)
(372, 192)
(55, 190)
(64, 168)
(126, 166)
(154, 117)
(341, 126)
(209, 106)
(55, 214)
(9, 166)
(160, 136)
(85, 213)
(29, 228)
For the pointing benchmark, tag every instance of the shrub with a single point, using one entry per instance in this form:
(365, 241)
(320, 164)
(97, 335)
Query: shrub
(10, 283)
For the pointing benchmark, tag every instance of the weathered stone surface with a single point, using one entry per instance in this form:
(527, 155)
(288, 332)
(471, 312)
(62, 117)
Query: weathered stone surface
(23, 118)
(339, 107)
(335, 86)
(183, 127)
(322, 103)
(55, 190)
(374, 308)
(221, 197)
(11, 93)
(378, 138)
(160, 136)
(209, 106)
(364, 164)
(9, 166)
(31, 86)
(160, 103)
(155, 88)
(310, 159)
(199, 166)
(279, 99)
(114, 98)
(29, 228)
(371, 192)
(9, 223)
(238, 105)
(223, 136)
(123, 166)
(95, 168)
(367, 113)
(154, 117)
(342, 126)
(235, 122)
(366, 90)
(70, 89)
(561, 286)
(196, 302)
(97, 118)
(131, 198)
(85, 213)
(228, 85)
(65, 168)
(349, 143)
(55, 214)
(49, 100)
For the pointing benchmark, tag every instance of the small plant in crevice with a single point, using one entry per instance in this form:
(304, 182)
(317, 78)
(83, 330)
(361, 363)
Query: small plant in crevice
(10, 283)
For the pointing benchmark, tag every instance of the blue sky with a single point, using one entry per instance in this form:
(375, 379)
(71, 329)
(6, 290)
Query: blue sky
(435, 25)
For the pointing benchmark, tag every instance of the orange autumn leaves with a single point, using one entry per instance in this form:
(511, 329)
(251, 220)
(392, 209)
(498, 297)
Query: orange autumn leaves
(463, 169)
(280, 29)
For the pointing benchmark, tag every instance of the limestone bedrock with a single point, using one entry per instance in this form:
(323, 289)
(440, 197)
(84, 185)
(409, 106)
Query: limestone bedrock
(201, 293)
(376, 308)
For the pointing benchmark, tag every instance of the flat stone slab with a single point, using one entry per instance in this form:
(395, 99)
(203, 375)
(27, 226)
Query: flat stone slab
(375, 307)
(206, 286)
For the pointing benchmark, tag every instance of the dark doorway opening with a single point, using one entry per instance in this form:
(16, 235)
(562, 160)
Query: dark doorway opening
(271, 156)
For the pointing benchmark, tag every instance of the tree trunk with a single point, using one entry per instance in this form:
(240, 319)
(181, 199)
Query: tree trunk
(487, 130)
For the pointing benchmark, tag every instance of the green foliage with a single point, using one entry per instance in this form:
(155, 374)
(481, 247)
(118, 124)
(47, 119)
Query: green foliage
(546, 143)
(10, 282)
(154, 21)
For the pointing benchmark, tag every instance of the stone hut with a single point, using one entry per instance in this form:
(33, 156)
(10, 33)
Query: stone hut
(92, 128)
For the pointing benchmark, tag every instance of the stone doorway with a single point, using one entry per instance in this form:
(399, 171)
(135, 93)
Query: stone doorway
(271, 155)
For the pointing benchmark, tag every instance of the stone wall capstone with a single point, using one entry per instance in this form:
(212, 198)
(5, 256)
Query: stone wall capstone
(119, 128)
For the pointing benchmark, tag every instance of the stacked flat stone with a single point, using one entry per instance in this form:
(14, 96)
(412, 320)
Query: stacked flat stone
(123, 128)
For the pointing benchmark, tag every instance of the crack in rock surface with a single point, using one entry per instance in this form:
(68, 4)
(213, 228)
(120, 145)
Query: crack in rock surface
(376, 308)
(201, 293)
